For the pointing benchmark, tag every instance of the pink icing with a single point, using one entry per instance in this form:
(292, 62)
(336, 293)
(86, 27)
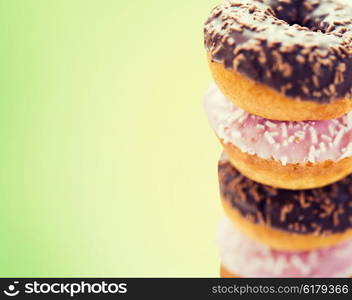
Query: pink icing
(247, 258)
(284, 141)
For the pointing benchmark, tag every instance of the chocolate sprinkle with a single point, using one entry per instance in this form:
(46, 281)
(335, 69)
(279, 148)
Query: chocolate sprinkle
(300, 48)
(321, 211)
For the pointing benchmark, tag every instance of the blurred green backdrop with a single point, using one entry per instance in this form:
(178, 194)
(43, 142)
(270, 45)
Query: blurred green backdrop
(108, 165)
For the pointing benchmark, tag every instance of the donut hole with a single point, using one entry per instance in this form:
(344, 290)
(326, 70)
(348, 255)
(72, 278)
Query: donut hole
(315, 23)
(288, 12)
(297, 13)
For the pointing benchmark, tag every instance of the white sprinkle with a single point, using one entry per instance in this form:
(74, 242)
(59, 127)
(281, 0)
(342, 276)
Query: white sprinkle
(300, 265)
(285, 143)
(312, 153)
(291, 139)
(222, 128)
(274, 134)
(344, 120)
(344, 128)
(313, 257)
(290, 125)
(269, 138)
(279, 265)
(297, 126)
(349, 120)
(277, 146)
(284, 130)
(284, 160)
(301, 134)
(348, 151)
(241, 120)
(260, 126)
(331, 130)
(311, 158)
(339, 136)
(322, 147)
(313, 135)
(270, 124)
(250, 151)
(243, 147)
(236, 134)
(236, 114)
(326, 137)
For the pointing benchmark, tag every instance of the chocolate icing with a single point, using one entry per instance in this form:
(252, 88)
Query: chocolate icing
(300, 48)
(321, 211)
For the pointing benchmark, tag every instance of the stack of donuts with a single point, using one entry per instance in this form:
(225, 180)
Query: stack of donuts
(281, 106)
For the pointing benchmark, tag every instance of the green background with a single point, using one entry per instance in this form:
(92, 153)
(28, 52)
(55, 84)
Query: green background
(108, 165)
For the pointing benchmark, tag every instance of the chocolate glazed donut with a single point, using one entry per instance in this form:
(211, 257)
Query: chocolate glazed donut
(286, 219)
(300, 49)
(321, 211)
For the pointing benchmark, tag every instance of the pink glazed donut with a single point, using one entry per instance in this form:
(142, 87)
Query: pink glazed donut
(242, 257)
(283, 154)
